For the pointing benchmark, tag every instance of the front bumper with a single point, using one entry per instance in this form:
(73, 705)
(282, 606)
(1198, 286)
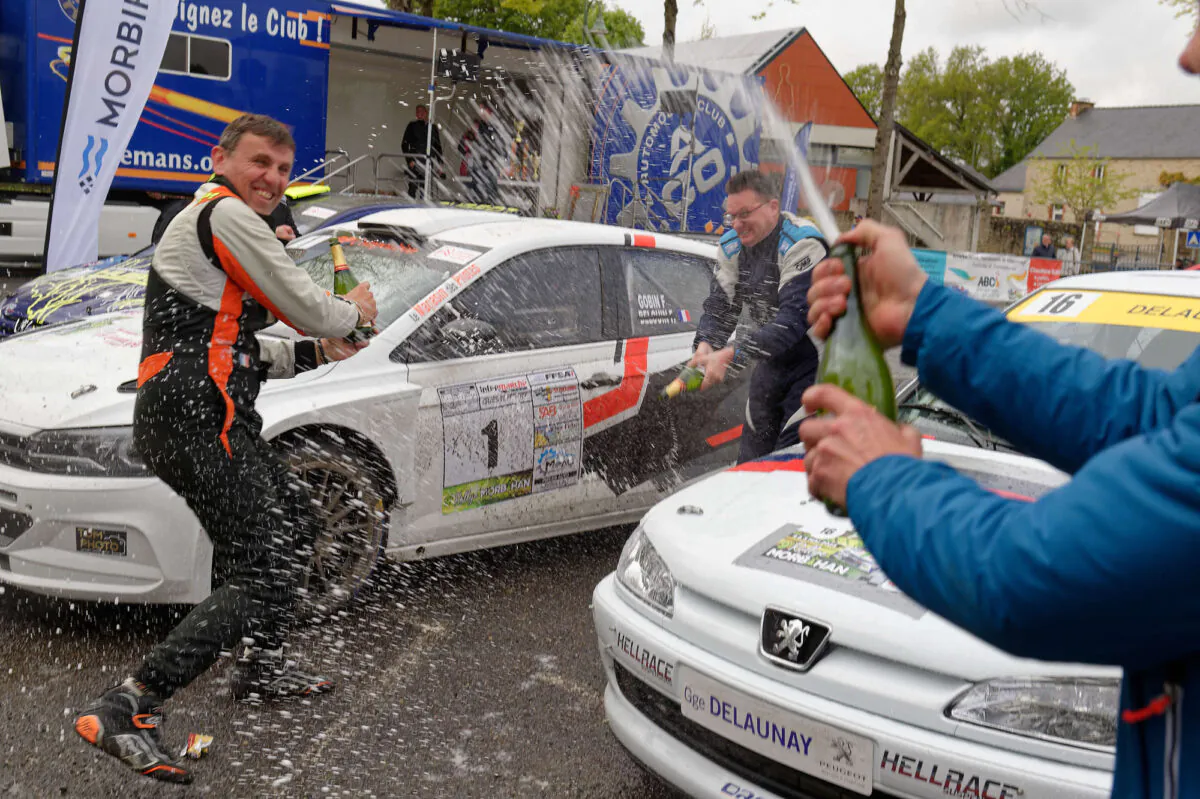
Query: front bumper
(168, 558)
(643, 702)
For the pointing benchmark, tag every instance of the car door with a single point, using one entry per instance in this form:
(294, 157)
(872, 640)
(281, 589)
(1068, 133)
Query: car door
(659, 443)
(503, 368)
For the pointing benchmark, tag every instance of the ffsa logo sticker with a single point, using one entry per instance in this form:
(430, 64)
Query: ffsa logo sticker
(70, 8)
(88, 173)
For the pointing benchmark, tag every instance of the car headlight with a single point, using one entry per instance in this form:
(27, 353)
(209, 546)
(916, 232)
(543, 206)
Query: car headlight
(1077, 712)
(85, 452)
(645, 574)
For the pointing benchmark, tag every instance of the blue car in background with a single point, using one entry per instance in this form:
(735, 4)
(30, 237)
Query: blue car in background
(119, 282)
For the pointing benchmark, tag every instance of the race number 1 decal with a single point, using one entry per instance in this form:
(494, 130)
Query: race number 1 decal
(510, 437)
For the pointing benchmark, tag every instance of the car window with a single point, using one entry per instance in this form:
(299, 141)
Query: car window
(398, 269)
(547, 298)
(666, 290)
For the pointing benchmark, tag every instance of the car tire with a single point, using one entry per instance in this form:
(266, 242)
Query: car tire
(348, 497)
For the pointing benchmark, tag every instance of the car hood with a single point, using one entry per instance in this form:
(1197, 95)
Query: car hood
(68, 375)
(748, 539)
(89, 290)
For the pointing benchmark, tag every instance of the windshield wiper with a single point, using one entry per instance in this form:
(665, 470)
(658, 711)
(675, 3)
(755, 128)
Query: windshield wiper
(981, 437)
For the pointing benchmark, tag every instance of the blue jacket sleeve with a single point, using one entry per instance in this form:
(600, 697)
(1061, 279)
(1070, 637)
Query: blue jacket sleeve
(1059, 403)
(1097, 571)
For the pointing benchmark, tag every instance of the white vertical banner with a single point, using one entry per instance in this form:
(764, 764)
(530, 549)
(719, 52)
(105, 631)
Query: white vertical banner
(120, 44)
(4, 162)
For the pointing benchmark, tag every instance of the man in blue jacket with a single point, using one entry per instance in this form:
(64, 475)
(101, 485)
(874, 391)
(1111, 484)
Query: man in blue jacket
(764, 266)
(1097, 571)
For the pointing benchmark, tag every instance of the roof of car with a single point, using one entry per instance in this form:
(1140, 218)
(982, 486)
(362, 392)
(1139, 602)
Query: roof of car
(491, 230)
(1173, 283)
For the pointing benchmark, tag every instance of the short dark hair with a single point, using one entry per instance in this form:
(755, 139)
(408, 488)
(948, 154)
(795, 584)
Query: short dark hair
(753, 180)
(422, 106)
(270, 129)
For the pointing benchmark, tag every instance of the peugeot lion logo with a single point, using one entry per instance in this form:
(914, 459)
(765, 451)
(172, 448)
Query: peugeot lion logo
(87, 180)
(843, 751)
(791, 635)
(791, 641)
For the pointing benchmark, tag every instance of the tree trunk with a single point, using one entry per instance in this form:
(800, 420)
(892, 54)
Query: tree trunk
(424, 8)
(670, 12)
(887, 113)
(400, 5)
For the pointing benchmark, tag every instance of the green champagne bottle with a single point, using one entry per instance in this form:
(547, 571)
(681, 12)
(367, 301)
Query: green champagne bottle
(344, 282)
(853, 359)
(688, 379)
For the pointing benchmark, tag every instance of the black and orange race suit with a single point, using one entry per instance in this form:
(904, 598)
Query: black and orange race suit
(219, 277)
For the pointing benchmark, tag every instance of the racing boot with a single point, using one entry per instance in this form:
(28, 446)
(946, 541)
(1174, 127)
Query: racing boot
(262, 675)
(124, 722)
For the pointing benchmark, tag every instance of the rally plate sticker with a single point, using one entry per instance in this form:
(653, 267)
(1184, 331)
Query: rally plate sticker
(836, 756)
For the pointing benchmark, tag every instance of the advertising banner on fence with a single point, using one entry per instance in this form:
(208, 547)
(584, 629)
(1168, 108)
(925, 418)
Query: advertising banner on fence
(120, 45)
(990, 277)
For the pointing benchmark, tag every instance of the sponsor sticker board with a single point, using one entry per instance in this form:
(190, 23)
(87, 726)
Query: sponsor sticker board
(510, 437)
(834, 755)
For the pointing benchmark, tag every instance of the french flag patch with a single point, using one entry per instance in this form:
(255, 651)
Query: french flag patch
(684, 316)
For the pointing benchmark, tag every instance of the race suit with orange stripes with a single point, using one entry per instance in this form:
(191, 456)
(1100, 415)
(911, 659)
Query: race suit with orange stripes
(219, 277)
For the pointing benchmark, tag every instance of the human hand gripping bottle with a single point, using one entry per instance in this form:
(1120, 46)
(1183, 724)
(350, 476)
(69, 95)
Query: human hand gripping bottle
(344, 282)
(689, 378)
(853, 359)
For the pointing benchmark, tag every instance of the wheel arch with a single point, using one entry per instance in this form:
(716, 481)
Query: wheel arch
(358, 444)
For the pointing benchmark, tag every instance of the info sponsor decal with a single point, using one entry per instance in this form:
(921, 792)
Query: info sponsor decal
(509, 437)
(902, 769)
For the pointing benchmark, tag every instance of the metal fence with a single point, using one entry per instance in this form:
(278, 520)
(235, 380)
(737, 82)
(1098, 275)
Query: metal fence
(1124, 258)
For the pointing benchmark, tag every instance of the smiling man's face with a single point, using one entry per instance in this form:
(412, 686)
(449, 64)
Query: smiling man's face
(257, 168)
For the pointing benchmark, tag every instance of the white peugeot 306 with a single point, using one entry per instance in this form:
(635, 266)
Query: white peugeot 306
(754, 648)
(510, 395)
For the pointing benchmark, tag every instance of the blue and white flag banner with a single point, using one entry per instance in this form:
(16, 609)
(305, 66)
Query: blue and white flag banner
(120, 46)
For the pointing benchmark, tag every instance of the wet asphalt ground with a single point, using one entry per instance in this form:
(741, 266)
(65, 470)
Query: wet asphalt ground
(469, 676)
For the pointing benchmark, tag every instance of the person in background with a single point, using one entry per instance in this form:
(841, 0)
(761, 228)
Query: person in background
(1070, 256)
(483, 153)
(416, 137)
(1046, 248)
(764, 264)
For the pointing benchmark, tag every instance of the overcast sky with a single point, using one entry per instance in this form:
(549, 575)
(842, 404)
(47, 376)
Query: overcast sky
(1115, 52)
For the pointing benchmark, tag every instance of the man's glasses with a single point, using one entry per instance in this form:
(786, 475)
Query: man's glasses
(741, 216)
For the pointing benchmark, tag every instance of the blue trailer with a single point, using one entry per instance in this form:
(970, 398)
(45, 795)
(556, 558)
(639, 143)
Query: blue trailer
(347, 78)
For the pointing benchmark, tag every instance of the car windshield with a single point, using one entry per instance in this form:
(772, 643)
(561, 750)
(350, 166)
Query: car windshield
(396, 266)
(1113, 324)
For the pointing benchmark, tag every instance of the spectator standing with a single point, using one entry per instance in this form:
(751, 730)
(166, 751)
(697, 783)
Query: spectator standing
(1046, 248)
(416, 138)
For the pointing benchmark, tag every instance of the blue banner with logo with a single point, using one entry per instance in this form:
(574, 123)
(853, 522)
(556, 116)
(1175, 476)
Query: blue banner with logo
(667, 170)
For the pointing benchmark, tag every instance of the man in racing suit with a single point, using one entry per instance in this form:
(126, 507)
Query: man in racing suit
(219, 276)
(763, 266)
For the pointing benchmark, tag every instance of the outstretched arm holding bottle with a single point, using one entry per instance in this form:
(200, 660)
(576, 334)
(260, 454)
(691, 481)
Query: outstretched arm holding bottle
(1050, 579)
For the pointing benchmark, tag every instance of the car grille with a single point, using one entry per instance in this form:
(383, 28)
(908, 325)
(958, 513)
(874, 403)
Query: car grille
(12, 524)
(13, 451)
(762, 771)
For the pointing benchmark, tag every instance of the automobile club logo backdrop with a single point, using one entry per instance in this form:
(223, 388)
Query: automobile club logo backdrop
(643, 153)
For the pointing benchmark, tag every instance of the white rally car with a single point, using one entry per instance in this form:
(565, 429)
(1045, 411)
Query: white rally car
(511, 395)
(754, 649)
